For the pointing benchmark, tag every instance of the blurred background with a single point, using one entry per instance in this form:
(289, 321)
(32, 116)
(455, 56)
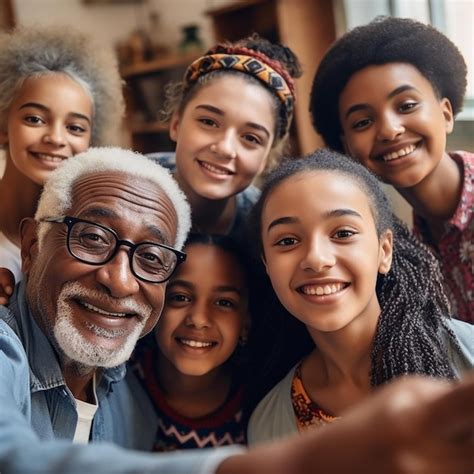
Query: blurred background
(156, 39)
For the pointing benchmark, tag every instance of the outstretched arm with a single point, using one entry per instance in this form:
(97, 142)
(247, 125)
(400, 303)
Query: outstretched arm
(412, 425)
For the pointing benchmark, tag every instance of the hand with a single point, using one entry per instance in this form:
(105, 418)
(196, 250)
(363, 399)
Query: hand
(414, 425)
(7, 282)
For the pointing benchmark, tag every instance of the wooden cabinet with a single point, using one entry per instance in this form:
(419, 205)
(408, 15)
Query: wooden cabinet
(145, 96)
(306, 26)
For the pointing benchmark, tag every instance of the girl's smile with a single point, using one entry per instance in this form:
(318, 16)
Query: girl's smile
(205, 311)
(223, 137)
(322, 253)
(49, 121)
(394, 123)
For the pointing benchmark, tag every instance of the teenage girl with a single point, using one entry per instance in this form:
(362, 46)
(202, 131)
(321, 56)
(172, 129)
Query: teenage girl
(387, 93)
(232, 110)
(369, 295)
(59, 94)
(192, 367)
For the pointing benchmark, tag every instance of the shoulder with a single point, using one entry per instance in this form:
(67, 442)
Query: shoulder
(164, 158)
(274, 416)
(464, 359)
(248, 197)
(14, 368)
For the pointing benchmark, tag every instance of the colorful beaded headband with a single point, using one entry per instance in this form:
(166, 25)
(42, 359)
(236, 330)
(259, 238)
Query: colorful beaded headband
(255, 64)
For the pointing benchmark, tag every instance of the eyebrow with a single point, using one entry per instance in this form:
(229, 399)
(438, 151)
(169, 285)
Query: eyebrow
(46, 109)
(108, 213)
(397, 91)
(326, 215)
(220, 112)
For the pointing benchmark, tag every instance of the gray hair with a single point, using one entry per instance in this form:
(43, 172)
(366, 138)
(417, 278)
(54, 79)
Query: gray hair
(37, 51)
(56, 198)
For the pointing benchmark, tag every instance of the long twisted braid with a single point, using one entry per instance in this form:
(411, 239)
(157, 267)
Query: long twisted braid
(414, 306)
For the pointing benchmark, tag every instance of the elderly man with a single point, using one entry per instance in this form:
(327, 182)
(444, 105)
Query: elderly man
(105, 239)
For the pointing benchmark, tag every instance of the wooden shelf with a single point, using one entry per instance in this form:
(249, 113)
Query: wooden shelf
(169, 61)
(231, 7)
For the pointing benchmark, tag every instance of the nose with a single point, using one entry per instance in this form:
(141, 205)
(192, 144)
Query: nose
(318, 256)
(226, 145)
(54, 135)
(390, 127)
(198, 316)
(116, 275)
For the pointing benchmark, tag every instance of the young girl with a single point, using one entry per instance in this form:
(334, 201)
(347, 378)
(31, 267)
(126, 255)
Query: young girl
(387, 93)
(59, 94)
(191, 367)
(231, 111)
(368, 294)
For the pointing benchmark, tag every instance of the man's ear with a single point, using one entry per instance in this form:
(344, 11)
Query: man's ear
(174, 126)
(386, 252)
(29, 243)
(448, 114)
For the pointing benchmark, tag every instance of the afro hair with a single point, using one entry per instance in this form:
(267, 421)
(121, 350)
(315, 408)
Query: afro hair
(384, 40)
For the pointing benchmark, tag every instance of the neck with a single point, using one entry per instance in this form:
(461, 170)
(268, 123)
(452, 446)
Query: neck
(437, 196)
(344, 356)
(80, 381)
(192, 396)
(211, 216)
(22, 196)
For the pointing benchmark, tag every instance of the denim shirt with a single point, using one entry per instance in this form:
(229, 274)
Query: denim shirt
(38, 412)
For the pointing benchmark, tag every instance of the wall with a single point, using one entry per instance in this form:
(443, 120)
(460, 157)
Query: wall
(112, 22)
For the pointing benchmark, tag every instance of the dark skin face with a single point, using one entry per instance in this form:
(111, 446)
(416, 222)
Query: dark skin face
(394, 123)
(138, 210)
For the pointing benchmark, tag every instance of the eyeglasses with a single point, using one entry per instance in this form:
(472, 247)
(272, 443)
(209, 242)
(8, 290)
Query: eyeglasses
(96, 244)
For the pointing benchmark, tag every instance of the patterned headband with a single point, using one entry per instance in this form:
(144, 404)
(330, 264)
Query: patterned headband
(255, 64)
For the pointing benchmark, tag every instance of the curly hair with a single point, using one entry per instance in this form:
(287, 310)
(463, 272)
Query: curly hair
(414, 307)
(384, 40)
(179, 94)
(36, 51)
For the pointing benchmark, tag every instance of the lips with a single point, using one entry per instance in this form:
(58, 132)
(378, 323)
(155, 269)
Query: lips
(104, 312)
(215, 169)
(322, 289)
(49, 158)
(195, 343)
(400, 153)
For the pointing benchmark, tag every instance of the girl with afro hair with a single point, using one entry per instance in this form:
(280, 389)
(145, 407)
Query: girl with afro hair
(387, 93)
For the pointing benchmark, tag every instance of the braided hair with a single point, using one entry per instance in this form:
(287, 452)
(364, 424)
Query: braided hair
(414, 308)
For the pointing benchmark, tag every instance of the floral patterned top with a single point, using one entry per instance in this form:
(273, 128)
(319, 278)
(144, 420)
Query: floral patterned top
(308, 413)
(455, 250)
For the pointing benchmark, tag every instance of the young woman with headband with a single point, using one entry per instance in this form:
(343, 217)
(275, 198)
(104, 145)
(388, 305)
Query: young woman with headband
(229, 117)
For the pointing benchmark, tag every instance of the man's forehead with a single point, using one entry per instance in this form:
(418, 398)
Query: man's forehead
(119, 184)
(114, 195)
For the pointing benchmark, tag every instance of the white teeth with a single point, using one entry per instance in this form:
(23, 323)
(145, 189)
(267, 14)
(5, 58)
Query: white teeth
(53, 159)
(398, 154)
(101, 311)
(322, 290)
(213, 168)
(191, 343)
